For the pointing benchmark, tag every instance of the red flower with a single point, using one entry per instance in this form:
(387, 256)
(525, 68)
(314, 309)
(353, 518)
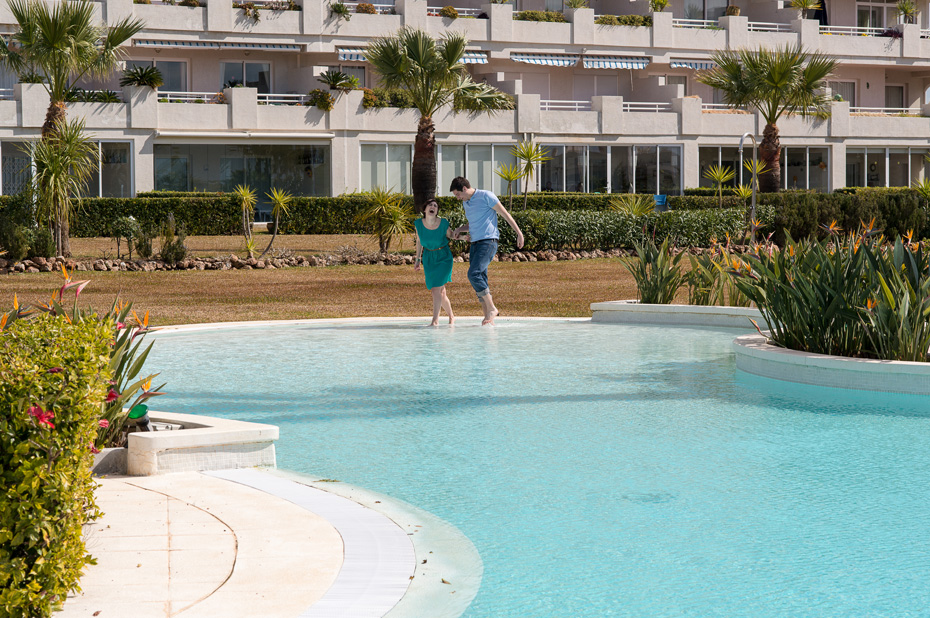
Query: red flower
(94, 449)
(55, 370)
(103, 423)
(44, 417)
(112, 396)
(120, 326)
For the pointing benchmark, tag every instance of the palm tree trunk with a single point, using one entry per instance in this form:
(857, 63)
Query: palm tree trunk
(57, 113)
(271, 242)
(424, 163)
(770, 153)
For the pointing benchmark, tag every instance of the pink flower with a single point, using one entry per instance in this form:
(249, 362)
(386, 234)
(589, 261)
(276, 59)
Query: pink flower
(44, 417)
(103, 423)
(112, 396)
(120, 325)
(94, 449)
(55, 370)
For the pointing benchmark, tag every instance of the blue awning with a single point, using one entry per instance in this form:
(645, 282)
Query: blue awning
(352, 54)
(615, 62)
(549, 60)
(475, 57)
(697, 65)
(187, 44)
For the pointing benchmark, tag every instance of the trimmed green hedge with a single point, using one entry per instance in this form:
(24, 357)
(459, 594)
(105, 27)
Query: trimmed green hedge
(213, 215)
(50, 366)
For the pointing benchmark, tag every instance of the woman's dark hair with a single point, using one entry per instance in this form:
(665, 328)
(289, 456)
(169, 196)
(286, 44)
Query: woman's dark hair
(428, 202)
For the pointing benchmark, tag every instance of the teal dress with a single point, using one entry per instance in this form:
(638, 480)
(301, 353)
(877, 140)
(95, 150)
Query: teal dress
(436, 257)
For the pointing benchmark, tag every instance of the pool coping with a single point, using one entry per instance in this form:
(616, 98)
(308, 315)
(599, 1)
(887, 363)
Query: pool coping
(755, 355)
(634, 312)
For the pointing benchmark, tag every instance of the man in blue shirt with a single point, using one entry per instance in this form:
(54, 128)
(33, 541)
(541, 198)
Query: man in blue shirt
(481, 210)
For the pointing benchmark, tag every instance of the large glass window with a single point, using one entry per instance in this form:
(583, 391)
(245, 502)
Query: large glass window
(249, 74)
(855, 167)
(298, 169)
(817, 166)
(112, 178)
(451, 166)
(898, 167)
(669, 170)
(621, 169)
(374, 166)
(646, 161)
(885, 167)
(173, 72)
(597, 169)
(400, 166)
(388, 166)
(875, 176)
(575, 168)
(502, 156)
(552, 172)
(16, 167)
(480, 165)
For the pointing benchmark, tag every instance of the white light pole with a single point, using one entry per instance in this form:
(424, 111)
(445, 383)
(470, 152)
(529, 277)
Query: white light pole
(755, 167)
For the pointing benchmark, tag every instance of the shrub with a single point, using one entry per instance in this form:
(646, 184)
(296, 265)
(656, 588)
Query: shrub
(190, 3)
(657, 272)
(371, 99)
(322, 99)
(41, 243)
(142, 76)
(550, 16)
(52, 382)
(173, 249)
(624, 20)
(14, 239)
(367, 8)
(201, 214)
(449, 12)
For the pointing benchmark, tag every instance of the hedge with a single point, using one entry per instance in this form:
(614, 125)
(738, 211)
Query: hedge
(50, 366)
(214, 215)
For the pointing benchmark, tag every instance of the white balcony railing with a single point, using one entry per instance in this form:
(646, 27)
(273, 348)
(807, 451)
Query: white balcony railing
(633, 106)
(767, 26)
(851, 31)
(721, 106)
(282, 99)
(381, 9)
(887, 111)
(695, 23)
(6, 94)
(188, 97)
(571, 106)
(434, 11)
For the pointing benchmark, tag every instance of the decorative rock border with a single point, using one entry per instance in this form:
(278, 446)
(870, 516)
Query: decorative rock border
(756, 356)
(632, 312)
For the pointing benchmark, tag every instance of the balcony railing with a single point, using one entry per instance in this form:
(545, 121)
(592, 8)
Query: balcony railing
(188, 97)
(463, 12)
(282, 99)
(571, 106)
(709, 24)
(767, 26)
(633, 106)
(852, 31)
(381, 9)
(6, 94)
(721, 107)
(886, 111)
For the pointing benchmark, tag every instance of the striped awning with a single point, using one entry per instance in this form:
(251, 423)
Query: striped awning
(549, 60)
(187, 44)
(615, 62)
(263, 46)
(697, 65)
(475, 57)
(352, 54)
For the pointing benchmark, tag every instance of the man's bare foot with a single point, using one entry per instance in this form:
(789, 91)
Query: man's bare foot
(490, 319)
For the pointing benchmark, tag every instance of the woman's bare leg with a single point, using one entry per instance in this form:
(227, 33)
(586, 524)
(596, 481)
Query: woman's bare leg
(437, 304)
(447, 305)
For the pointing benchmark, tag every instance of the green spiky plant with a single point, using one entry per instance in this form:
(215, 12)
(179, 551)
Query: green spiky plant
(509, 174)
(633, 204)
(280, 204)
(657, 272)
(247, 199)
(388, 216)
(719, 175)
(530, 155)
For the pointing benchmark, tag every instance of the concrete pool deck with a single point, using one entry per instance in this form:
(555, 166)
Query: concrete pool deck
(255, 542)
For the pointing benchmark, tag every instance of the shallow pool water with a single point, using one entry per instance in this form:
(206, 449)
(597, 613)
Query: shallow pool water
(600, 470)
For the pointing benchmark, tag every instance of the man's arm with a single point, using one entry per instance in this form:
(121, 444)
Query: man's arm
(513, 224)
(457, 233)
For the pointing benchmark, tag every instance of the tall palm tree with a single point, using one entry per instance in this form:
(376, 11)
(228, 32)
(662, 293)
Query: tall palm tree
(60, 43)
(776, 82)
(434, 75)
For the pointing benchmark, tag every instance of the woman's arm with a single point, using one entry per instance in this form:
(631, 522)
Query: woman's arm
(416, 261)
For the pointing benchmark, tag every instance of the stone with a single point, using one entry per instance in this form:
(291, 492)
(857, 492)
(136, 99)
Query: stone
(32, 269)
(199, 266)
(259, 264)
(99, 266)
(45, 267)
(40, 261)
(3, 263)
(123, 266)
(80, 267)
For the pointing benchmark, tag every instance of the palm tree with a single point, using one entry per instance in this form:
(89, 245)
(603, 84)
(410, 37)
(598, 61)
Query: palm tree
(388, 215)
(433, 74)
(60, 43)
(530, 155)
(788, 80)
(63, 164)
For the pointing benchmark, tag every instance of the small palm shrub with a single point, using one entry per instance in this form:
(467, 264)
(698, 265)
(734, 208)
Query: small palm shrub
(142, 76)
(337, 80)
(633, 204)
(388, 216)
(657, 272)
(340, 11)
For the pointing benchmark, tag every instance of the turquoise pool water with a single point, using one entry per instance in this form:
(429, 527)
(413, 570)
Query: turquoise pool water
(600, 470)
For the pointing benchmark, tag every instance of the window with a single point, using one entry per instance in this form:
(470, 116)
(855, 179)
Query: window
(846, 90)
(477, 162)
(724, 156)
(386, 165)
(113, 177)
(614, 169)
(876, 14)
(248, 74)
(678, 80)
(15, 167)
(173, 72)
(885, 167)
(894, 96)
(804, 168)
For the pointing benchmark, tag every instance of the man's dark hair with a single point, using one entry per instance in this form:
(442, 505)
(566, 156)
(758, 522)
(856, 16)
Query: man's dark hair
(459, 183)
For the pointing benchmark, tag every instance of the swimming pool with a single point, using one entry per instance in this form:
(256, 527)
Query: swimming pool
(600, 470)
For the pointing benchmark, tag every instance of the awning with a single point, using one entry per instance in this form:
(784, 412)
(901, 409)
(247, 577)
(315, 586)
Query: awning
(188, 44)
(549, 60)
(697, 65)
(615, 62)
(475, 57)
(262, 46)
(352, 54)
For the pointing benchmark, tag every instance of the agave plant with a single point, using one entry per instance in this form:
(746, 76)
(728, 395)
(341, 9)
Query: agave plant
(142, 76)
(633, 204)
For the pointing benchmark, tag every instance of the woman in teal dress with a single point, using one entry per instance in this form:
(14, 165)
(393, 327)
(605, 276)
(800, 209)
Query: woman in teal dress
(433, 234)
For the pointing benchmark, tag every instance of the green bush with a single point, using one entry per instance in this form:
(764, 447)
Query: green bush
(51, 366)
(202, 214)
(550, 16)
(449, 12)
(321, 99)
(624, 20)
(41, 243)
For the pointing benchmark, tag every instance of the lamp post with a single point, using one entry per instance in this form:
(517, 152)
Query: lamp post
(755, 166)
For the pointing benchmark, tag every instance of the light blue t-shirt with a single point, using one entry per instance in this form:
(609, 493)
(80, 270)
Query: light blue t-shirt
(482, 218)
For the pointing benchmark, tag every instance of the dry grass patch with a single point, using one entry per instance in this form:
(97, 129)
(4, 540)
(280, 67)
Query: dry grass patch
(557, 289)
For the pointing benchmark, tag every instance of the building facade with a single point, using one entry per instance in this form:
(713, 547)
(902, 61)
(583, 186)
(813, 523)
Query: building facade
(618, 107)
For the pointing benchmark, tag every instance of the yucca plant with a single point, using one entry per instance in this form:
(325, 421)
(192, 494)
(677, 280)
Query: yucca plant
(280, 203)
(388, 216)
(142, 76)
(530, 155)
(633, 204)
(657, 272)
(719, 175)
(247, 199)
(510, 174)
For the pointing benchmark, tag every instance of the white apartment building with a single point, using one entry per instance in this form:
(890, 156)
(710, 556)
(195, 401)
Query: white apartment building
(618, 107)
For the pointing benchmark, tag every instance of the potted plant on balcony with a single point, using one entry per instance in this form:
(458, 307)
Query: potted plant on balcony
(806, 8)
(657, 6)
(907, 10)
(732, 10)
